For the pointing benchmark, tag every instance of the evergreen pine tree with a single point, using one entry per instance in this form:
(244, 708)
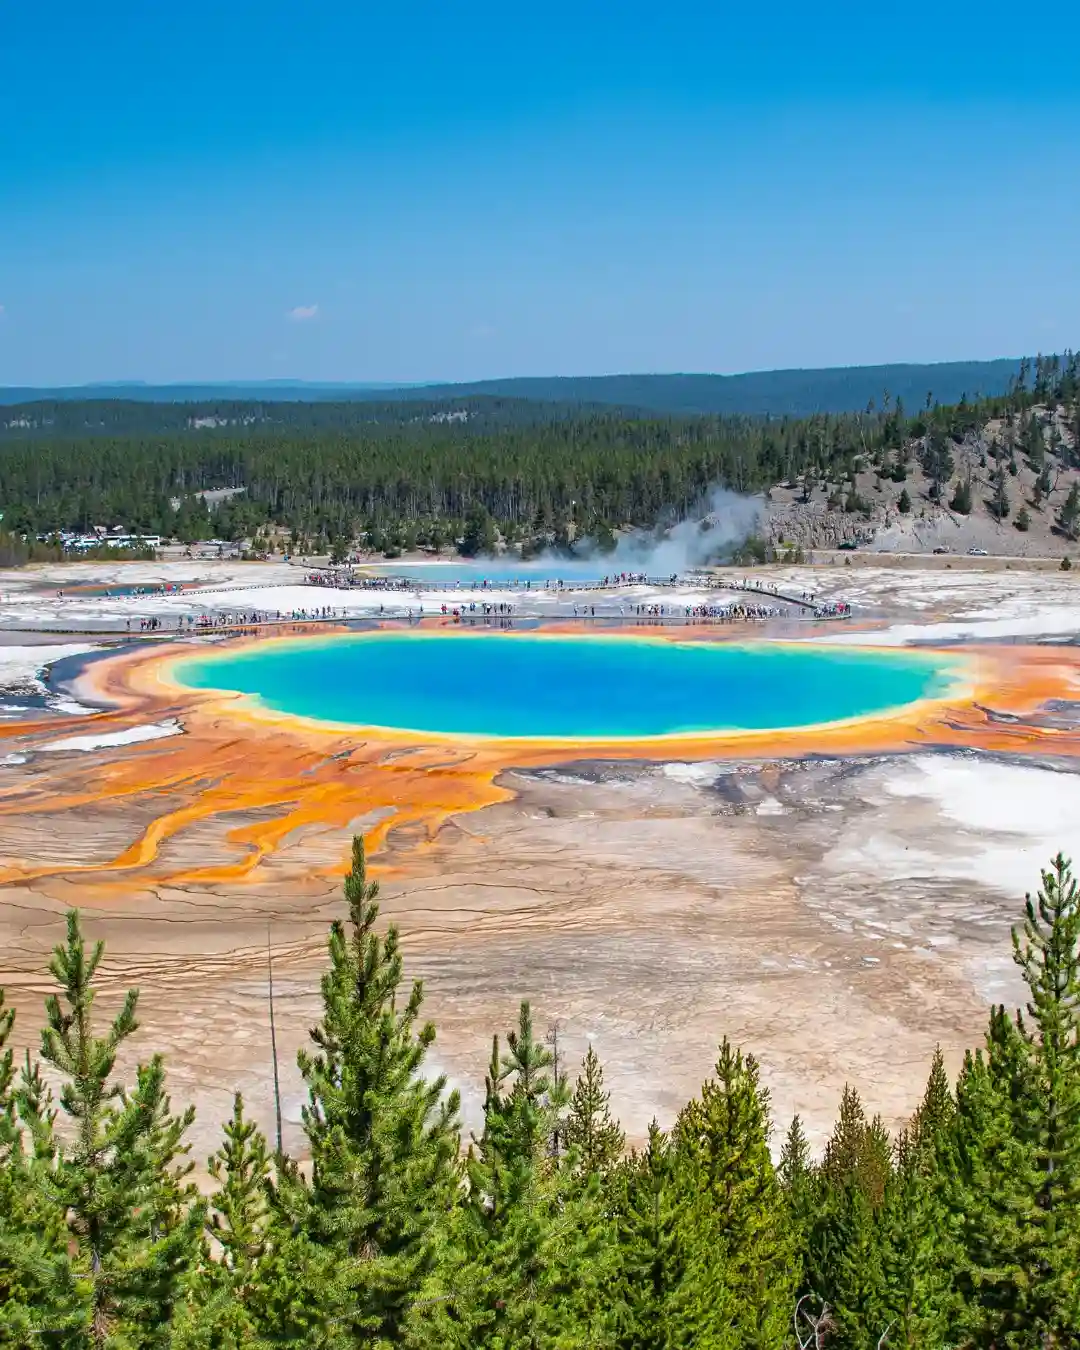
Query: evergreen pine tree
(937, 1110)
(479, 536)
(39, 1302)
(591, 1130)
(37, 1110)
(795, 1169)
(855, 1282)
(132, 1219)
(16, 1291)
(230, 1293)
(383, 1138)
(962, 497)
(984, 1154)
(537, 1248)
(917, 1276)
(845, 1265)
(918, 1256)
(1018, 1141)
(875, 1163)
(1043, 484)
(844, 1150)
(558, 1098)
(1047, 951)
(9, 1133)
(1034, 444)
(738, 1290)
(937, 461)
(1069, 515)
(799, 1185)
(294, 1296)
(239, 1214)
(999, 504)
(649, 1253)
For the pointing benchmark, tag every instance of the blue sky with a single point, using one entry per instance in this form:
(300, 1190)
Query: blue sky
(431, 191)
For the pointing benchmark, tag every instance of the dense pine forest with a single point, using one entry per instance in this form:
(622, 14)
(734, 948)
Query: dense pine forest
(543, 1231)
(399, 475)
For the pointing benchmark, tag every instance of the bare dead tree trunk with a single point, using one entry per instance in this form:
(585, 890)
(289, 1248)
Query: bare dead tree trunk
(810, 1328)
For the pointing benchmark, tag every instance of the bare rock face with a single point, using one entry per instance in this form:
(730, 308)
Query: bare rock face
(816, 526)
(864, 511)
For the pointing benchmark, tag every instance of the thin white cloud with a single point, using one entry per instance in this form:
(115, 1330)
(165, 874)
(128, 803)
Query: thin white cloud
(1, 309)
(303, 313)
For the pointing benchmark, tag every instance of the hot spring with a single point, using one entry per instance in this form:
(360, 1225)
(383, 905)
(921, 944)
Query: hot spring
(495, 574)
(567, 687)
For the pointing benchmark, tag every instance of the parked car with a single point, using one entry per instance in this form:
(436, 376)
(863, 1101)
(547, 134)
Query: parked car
(942, 548)
(977, 553)
(848, 546)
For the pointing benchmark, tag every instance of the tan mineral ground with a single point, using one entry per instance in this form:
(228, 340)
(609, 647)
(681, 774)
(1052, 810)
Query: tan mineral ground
(836, 916)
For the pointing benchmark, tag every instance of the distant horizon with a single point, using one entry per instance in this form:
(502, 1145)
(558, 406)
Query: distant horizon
(437, 383)
(802, 390)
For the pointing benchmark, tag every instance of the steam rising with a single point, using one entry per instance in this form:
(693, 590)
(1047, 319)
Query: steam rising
(722, 521)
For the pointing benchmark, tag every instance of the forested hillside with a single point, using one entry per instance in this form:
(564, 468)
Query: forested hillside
(777, 393)
(770, 393)
(396, 475)
(47, 419)
(542, 1231)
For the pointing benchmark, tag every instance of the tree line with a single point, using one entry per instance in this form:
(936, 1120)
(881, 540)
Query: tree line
(545, 1233)
(318, 475)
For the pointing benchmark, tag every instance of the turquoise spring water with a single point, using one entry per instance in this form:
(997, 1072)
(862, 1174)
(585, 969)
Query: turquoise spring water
(432, 576)
(567, 687)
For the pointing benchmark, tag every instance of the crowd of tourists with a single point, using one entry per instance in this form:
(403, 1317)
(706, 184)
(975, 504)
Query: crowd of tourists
(757, 602)
(121, 592)
(353, 581)
(735, 613)
(349, 580)
(252, 618)
(502, 607)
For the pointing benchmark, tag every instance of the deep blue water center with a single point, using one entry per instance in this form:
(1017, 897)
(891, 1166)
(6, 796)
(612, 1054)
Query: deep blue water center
(567, 687)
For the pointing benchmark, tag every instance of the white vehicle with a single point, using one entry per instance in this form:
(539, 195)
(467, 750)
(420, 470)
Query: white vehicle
(977, 553)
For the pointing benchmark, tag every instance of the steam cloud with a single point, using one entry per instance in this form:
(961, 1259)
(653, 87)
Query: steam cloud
(721, 522)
